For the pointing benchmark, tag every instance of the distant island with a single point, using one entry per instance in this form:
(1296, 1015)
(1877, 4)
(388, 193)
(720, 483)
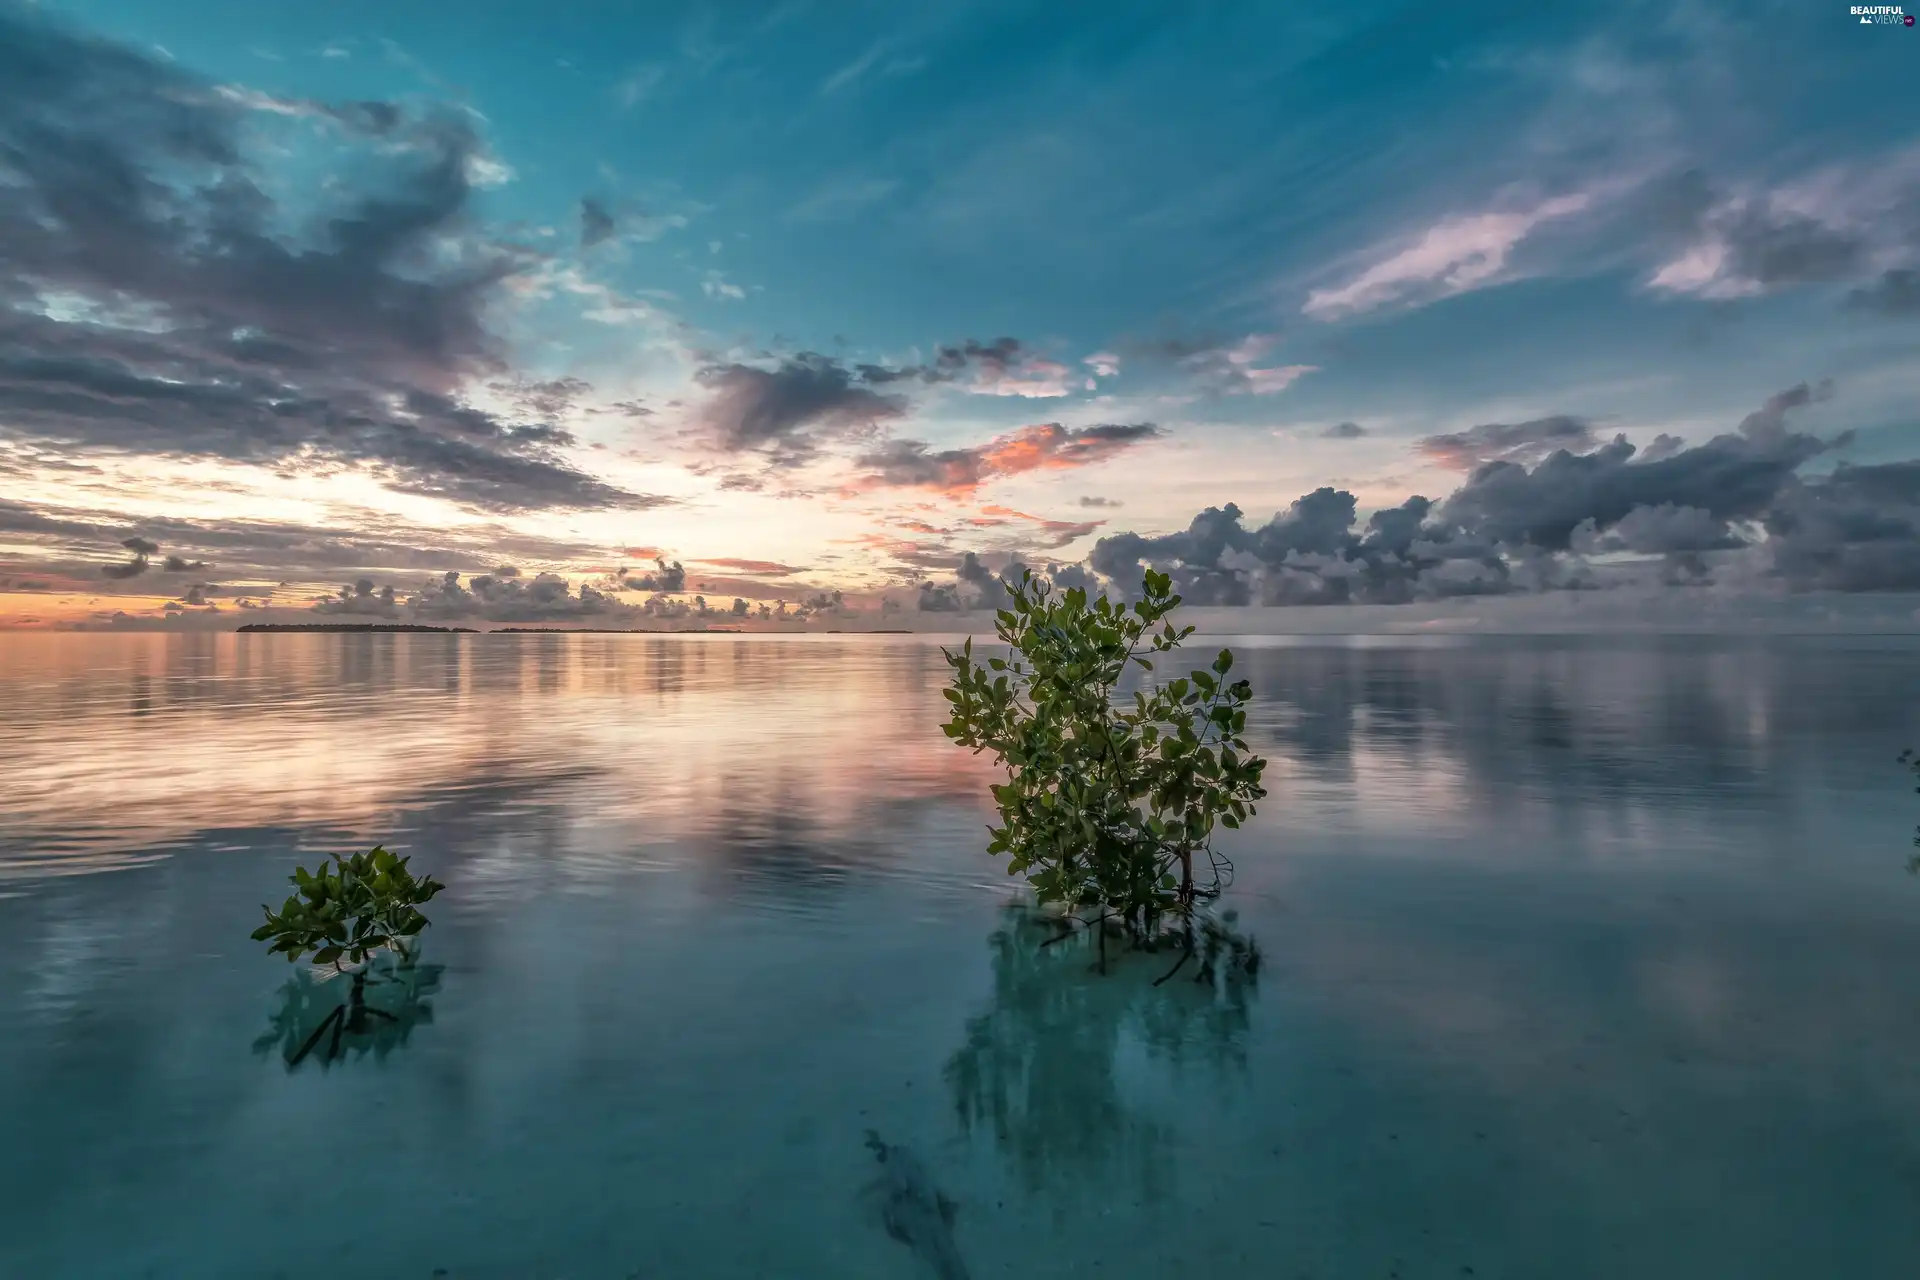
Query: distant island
(347, 626)
(526, 631)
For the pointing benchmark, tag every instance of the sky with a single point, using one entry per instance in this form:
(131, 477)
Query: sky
(840, 315)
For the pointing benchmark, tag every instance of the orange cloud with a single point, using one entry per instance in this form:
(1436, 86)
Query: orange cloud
(770, 568)
(959, 473)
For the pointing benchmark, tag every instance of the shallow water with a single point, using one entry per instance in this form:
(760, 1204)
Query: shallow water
(1583, 959)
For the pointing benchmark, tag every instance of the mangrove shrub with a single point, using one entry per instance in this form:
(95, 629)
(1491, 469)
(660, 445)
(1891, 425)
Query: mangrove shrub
(1111, 799)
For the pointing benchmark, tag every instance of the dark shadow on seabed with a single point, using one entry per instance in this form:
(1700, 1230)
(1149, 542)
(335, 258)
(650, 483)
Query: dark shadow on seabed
(1042, 1068)
(327, 1020)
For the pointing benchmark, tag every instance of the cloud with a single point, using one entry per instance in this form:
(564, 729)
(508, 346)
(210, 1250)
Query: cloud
(854, 70)
(638, 85)
(716, 285)
(1104, 364)
(1003, 367)
(601, 222)
(1895, 293)
(546, 597)
(1224, 368)
(667, 577)
(976, 586)
(154, 303)
(1734, 501)
(1732, 476)
(939, 598)
(1054, 533)
(1093, 500)
(362, 597)
(1453, 256)
(1751, 246)
(276, 551)
(958, 472)
(1663, 446)
(596, 224)
(1510, 442)
(755, 568)
(1858, 530)
(1344, 431)
(842, 198)
(133, 568)
(786, 409)
(1235, 370)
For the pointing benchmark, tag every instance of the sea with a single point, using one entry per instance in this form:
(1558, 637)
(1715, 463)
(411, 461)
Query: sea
(1581, 957)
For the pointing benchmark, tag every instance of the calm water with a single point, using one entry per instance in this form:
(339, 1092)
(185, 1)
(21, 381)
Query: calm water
(1584, 959)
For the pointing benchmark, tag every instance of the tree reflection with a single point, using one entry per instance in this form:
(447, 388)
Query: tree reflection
(376, 1017)
(1042, 1067)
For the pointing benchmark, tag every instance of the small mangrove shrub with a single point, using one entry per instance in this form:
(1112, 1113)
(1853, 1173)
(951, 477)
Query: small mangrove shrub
(343, 916)
(1111, 800)
(368, 903)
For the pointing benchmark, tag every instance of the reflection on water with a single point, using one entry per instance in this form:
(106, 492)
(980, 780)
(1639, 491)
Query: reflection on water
(1041, 1069)
(332, 1017)
(1582, 959)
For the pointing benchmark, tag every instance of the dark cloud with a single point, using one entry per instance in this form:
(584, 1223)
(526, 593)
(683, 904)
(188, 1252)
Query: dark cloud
(131, 184)
(596, 224)
(1663, 446)
(133, 568)
(985, 583)
(999, 358)
(939, 598)
(1858, 530)
(1774, 247)
(1309, 554)
(180, 564)
(1511, 527)
(667, 577)
(785, 409)
(1344, 431)
(1510, 442)
(1895, 293)
(1092, 500)
(915, 464)
(978, 587)
(788, 408)
(546, 400)
(1733, 476)
(1668, 530)
(361, 597)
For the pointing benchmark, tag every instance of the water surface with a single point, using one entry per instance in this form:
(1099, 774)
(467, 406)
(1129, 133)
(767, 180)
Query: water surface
(1583, 959)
